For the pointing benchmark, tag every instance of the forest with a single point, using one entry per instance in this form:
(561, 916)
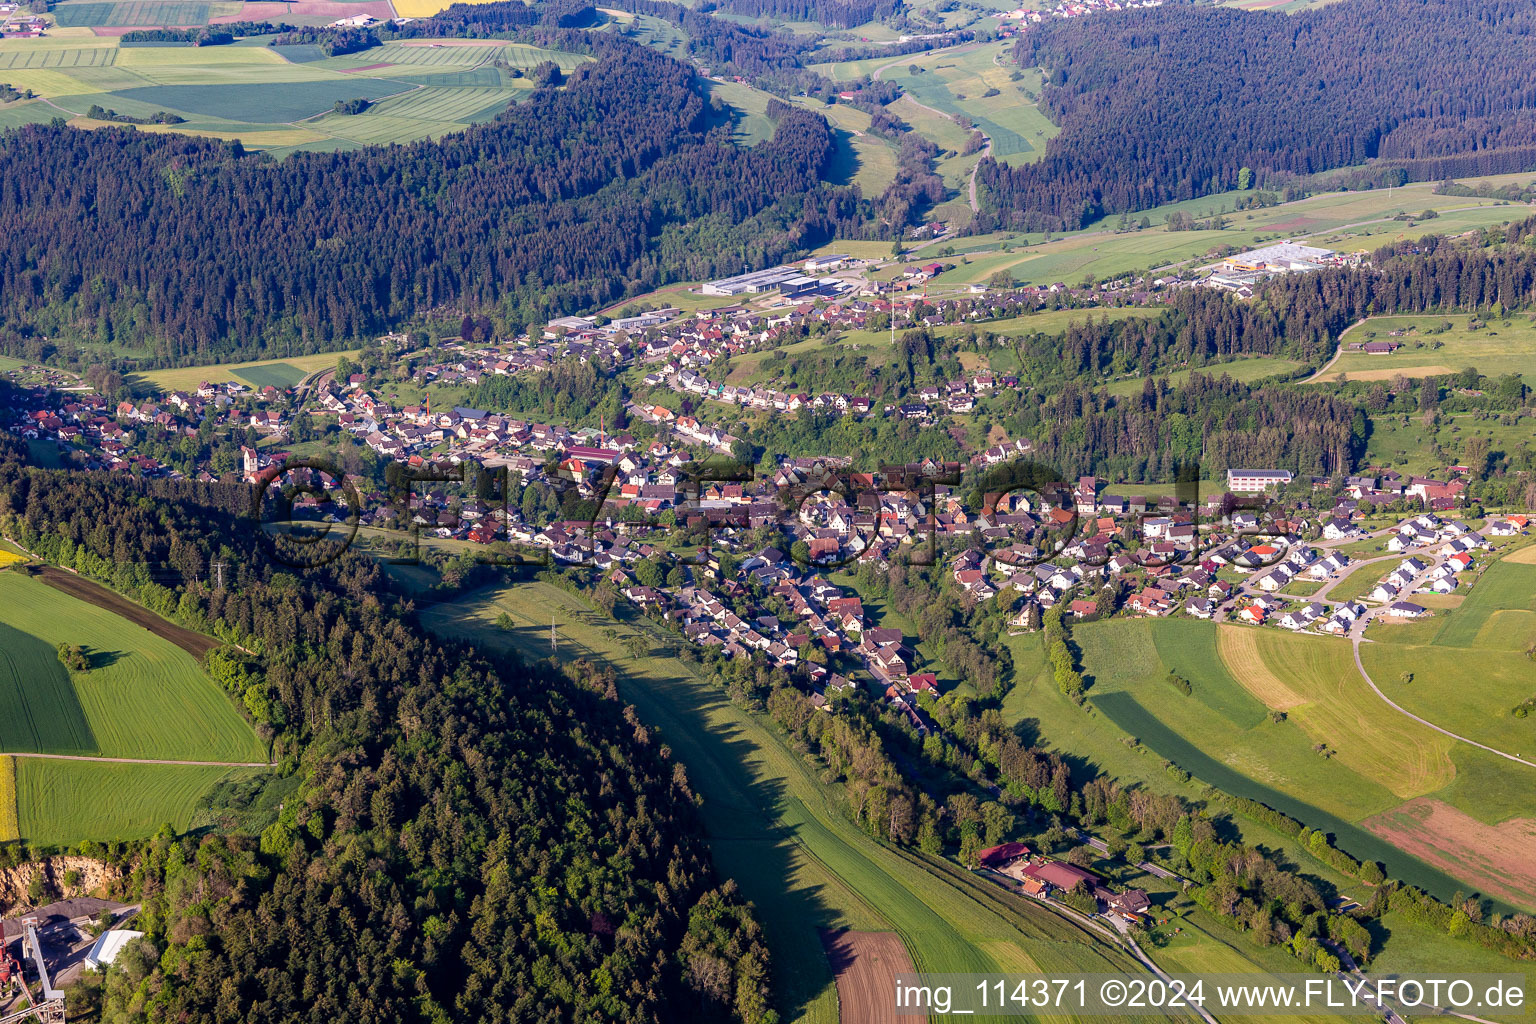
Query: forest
(462, 840)
(1168, 103)
(194, 251)
(1298, 316)
(842, 13)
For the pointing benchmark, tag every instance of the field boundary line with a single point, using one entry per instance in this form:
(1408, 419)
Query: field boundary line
(137, 760)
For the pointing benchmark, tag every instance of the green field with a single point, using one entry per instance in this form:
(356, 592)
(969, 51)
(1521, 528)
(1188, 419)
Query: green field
(280, 373)
(287, 101)
(54, 57)
(1506, 345)
(42, 711)
(776, 828)
(262, 97)
(62, 803)
(144, 697)
(1414, 448)
(1246, 369)
(1222, 733)
(1492, 629)
(118, 13)
(956, 83)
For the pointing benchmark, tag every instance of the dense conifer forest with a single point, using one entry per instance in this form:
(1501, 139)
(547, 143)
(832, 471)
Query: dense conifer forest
(461, 841)
(1162, 104)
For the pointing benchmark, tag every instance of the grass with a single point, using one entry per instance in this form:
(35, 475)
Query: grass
(1493, 627)
(1360, 581)
(957, 83)
(1411, 447)
(8, 828)
(43, 712)
(1503, 346)
(63, 803)
(773, 825)
(281, 373)
(1095, 743)
(1209, 735)
(50, 57)
(1244, 369)
(1339, 710)
(1499, 612)
(1055, 321)
(144, 697)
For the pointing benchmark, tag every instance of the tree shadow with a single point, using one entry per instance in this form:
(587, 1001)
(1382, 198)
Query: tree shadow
(101, 659)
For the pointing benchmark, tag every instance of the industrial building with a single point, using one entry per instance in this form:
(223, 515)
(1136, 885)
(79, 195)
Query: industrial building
(1280, 258)
(754, 283)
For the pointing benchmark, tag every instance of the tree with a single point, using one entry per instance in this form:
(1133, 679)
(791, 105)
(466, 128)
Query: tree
(73, 657)
(1245, 178)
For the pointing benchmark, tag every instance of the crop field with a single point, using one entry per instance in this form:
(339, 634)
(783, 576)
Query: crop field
(42, 711)
(773, 825)
(143, 697)
(1339, 710)
(866, 965)
(279, 102)
(1481, 711)
(124, 13)
(427, 8)
(281, 373)
(50, 57)
(1492, 628)
(1222, 733)
(63, 803)
(1221, 721)
(1500, 610)
(268, 101)
(8, 829)
(1498, 859)
(1505, 345)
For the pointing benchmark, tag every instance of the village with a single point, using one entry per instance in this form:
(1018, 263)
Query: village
(764, 587)
(764, 564)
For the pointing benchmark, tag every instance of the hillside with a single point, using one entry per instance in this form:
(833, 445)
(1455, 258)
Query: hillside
(1165, 104)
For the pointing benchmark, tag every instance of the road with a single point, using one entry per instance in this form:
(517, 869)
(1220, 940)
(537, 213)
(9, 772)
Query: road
(985, 152)
(1335, 357)
(1146, 865)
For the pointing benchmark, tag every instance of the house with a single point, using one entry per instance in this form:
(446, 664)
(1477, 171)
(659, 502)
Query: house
(1130, 904)
(1059, 875)
(1200, 608)
(1407, 610)
(1254, 614)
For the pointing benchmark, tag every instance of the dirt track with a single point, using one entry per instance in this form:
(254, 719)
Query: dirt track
(194, 643)
(866, 965)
